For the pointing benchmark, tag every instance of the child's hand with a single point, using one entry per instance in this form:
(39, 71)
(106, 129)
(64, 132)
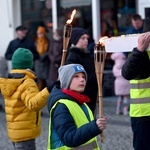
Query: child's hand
(101, 123)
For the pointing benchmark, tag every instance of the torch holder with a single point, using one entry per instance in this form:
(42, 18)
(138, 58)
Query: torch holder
(66, 38)
(99, 57)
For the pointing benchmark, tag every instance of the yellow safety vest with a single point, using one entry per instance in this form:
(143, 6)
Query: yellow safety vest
(76, 112)
(140, 97)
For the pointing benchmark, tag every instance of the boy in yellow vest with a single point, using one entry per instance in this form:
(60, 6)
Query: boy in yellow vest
(72, 125)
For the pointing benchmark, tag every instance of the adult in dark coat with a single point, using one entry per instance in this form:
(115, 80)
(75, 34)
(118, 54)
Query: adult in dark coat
(137, 68)
(78, 54)
(55, 53)
(20, 42)
(136, 27)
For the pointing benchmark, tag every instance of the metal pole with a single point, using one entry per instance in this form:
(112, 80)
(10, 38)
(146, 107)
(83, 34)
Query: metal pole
(96, 19)
(54, 14)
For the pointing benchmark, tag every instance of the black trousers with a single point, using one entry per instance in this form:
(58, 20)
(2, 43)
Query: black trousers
(141, 133)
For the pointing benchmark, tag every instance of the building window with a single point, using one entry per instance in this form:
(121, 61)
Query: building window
(35, 13)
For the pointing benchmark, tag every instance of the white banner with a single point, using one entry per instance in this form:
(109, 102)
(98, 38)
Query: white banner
(124, 43)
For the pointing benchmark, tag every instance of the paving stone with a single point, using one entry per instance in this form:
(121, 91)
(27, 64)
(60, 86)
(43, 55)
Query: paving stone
(117, 136)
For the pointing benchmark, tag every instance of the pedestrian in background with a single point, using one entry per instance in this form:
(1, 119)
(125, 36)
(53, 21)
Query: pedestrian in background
(72, 125)
(55, 54)
(22, 41)
(23, 101)
(42, 65)
(137, 70)
(136, 27)
(78, 54)
(121, 85)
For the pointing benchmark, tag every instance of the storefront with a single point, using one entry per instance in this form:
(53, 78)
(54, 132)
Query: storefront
(91, 14)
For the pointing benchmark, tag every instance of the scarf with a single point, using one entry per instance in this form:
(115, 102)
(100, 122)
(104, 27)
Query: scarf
(42, 45)
(79, 97)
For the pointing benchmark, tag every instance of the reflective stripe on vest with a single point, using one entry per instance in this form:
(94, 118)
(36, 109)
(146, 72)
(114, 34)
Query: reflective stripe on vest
(89, 146)
(76, 112)
(140, 97)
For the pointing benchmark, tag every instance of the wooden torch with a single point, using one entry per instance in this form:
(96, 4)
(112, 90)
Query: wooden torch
(66, 36)
(99, 58)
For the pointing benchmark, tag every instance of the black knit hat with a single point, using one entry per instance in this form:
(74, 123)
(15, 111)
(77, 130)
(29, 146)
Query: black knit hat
(76, 34)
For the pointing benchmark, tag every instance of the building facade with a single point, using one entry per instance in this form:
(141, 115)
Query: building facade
(94, 15)
(54, 13)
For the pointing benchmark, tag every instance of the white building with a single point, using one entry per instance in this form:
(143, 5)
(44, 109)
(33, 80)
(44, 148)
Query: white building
(11, 17)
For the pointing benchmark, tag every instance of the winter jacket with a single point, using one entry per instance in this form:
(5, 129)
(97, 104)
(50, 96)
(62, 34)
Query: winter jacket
(54, 54)
(16, 43)
(23, 103)
(42, 67)
(64, 130)
(78, 56)
(132, 30)
(122, 86)
(137, 66)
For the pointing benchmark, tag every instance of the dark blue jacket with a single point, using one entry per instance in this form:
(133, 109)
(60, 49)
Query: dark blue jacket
(64, 125)
(131, 30)
(17, 43)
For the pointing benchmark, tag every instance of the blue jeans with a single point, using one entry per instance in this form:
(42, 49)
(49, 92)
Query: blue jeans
(25, 145)
(141, 133)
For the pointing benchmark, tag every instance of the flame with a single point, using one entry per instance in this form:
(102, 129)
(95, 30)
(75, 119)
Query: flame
(71, 18)
(102, 40)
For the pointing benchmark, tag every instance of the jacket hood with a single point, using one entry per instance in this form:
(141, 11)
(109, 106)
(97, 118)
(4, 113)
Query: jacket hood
(57, 94)
(15, 78)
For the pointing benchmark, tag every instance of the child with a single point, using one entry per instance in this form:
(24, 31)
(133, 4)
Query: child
(71, 121)
(122, 86)
(79, 54)
(23, 101)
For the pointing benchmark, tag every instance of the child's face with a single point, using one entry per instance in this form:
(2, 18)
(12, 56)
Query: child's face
(78, 82)
(83, 41)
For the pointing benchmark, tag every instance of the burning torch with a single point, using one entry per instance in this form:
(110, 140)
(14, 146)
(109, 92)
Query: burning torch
(66, 36)
(99, 57)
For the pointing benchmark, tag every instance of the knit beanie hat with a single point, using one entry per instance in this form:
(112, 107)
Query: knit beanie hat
(22, 59)
(76, 34)
(66, 73)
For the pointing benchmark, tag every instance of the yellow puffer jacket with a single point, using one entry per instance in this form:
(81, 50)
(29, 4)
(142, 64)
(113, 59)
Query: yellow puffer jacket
(23, 103)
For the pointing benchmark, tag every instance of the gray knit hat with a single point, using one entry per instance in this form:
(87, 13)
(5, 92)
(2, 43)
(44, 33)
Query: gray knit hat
(66, 73)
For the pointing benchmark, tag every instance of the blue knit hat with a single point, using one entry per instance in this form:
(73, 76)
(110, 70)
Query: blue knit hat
(76, 34)
(66, 73)
(22, 59)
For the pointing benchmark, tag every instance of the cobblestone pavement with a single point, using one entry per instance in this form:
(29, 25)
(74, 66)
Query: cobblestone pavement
(117, 136)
